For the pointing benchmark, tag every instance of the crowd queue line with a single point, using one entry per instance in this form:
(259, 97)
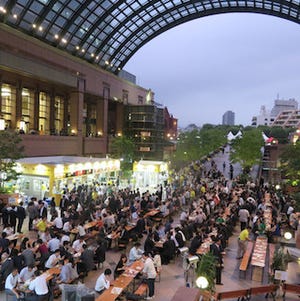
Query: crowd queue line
(209, 207)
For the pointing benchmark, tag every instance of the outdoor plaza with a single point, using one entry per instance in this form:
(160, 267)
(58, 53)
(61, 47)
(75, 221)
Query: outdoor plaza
(248, 276)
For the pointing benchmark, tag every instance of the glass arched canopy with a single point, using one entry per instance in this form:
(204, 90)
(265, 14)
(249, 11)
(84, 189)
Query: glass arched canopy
(109, 32)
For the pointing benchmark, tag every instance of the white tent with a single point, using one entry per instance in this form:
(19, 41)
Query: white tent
(230, 136)
(265, 137)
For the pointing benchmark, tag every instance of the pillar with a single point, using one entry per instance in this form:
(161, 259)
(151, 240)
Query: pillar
(18, 104)
(52, 113)
(36, 106)
(76, 114)
(120, 118)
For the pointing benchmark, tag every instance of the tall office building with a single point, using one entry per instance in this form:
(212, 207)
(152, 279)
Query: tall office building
(228, 118)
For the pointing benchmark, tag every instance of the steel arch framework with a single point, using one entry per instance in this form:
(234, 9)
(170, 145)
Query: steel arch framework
(109, 32)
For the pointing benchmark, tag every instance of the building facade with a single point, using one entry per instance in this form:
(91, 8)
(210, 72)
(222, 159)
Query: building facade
(62, 104)
(228, 118)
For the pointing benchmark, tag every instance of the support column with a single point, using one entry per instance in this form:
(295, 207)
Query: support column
(36, 106)
(52, 113)
(76, 114)
(99, 117)
(120, 118)
(106, 95)
(18, 103)
(66, 115)
(0, 95)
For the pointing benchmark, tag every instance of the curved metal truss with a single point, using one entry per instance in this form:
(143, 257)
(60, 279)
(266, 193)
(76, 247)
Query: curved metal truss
(109, 32)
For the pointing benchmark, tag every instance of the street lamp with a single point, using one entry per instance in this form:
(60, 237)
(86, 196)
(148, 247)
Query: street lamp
(202, 282)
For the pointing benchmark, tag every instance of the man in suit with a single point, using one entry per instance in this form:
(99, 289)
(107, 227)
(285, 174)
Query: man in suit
(217, 250)
(42, 209)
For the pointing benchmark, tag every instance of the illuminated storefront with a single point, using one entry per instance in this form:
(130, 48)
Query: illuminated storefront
(149, 173)
(47, 176)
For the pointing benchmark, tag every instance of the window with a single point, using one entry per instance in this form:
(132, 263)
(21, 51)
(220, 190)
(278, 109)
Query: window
(44, 105)
(8, 94)
(58, 114)
(27, 109)
(140, 100)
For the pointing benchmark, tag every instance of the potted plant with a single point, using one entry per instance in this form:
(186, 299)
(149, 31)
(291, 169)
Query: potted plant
(207, 268)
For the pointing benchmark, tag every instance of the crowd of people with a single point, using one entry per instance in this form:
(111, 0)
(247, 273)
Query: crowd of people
(204, 200)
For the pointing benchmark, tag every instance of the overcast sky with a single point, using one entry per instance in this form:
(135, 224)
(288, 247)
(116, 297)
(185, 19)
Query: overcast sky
(224, 62)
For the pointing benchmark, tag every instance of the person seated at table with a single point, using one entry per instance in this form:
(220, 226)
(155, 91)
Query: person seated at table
(11, 283)
(53, 260)
(39, 287)
(65, 237)
(100, 252)
(87, 257)
(140, 227)
(149, 243)
(4, 241)
(195, 243)
(24, 244)
(78, 244)
(135, 253)
(81, 230)
(66, 274)
(18, 259)
(54, 243)
(169, 250)
(120, 267)
(103, 282)
(8, 230)
(41, 247)
(157, 260)
(57, 222)
(27, 273)
(41, 225)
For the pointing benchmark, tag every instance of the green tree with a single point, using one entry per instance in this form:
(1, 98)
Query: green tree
(123, 148)
(10, 151)
(290, 162)
(247, 150)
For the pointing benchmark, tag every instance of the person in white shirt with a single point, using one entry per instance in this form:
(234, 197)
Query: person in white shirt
(53, 260)
(67, 227)
(39, 286)
(11, 284)
(54, 243)
(103, 281)
(58, 223)
(27, 273)
(81, 230)
(135, 253)
(78, 245)
(65, 237)
(150, 272)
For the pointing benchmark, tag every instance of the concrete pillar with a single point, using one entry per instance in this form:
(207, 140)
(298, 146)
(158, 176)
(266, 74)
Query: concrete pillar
(99, 117)
(120, 118)
(106, 95)
(52, 113)
(18, 104)
(76, 114)
(36, 106)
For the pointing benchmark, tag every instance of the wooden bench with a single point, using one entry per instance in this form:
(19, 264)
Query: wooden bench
(267, 290)
(290, 288)
(246, 258)
(271, 256)
(241, 295)
(142, 290)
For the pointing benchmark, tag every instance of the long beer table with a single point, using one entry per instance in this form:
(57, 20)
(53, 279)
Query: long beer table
(122, 282)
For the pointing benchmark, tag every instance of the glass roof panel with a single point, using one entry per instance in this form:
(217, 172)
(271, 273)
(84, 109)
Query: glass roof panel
(115, 29)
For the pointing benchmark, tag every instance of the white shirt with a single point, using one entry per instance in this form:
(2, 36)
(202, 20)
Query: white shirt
(52, 261)
(39, 285)
(64, 238)
(81, 230)
(134, 254)
(58, 222)
(149, 268)
(102, 283)
(77, 245)
(11, 281)
(53, 244)
(67, 227)
(25, 274)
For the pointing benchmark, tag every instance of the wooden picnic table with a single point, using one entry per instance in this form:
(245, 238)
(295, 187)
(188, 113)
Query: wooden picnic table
(259, 258)
(122, 282)
(152, 213)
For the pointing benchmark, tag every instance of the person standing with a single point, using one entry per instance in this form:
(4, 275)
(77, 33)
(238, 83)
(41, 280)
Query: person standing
(150, 272)
(242, 242)
(217, 250)
(21, 214)
(244, 216)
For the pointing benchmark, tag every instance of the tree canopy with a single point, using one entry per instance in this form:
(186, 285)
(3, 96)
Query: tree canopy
(10, 151)
(247, 149)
